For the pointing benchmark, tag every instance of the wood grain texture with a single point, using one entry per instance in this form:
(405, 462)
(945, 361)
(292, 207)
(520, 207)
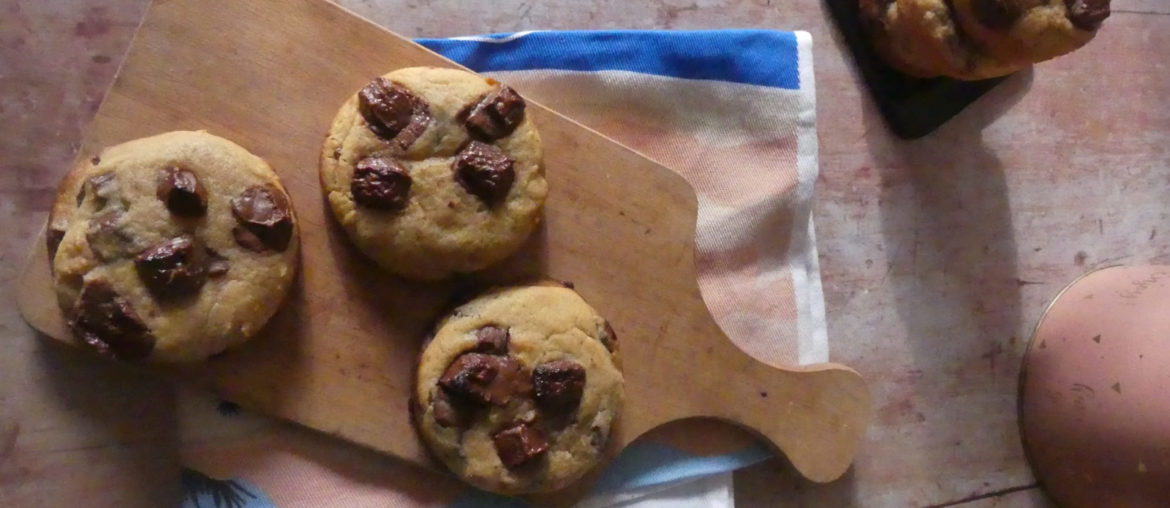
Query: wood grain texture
(338, 356)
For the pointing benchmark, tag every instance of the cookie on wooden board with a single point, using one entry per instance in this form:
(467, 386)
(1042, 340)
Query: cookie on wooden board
(518, 389)
(433, 172)
(171, 248)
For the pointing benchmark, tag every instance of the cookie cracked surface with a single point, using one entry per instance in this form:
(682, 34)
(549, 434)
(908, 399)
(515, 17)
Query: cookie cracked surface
(171, 248)
(518, 389)
(434, 172)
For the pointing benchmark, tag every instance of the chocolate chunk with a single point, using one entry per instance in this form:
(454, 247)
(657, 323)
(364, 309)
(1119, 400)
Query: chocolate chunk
(1087, 14)
(248, 240)
(495, 115)
(105, 236)
(265, 219)
(517, 378)
(597, 438)
(393, 112)
(102, 187)
(95, 160)
(996, 14)
(609, 337)
(484, 171)
(446, 412)
(106, 322)
(181, 191)
(217, 265)
(492, 340)
(100, 183)
(53, 237)
(485, 379)
(386, 106)
(173, 269)
(380, 183)
(518, 444)
(559, 385)
(470, 376)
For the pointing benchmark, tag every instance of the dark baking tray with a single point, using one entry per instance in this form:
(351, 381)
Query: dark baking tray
(913, 107)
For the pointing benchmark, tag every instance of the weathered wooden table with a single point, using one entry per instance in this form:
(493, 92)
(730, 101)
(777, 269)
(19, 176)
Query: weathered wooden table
(938, 255)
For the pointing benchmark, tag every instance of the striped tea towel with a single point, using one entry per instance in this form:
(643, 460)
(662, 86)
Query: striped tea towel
(733, 111)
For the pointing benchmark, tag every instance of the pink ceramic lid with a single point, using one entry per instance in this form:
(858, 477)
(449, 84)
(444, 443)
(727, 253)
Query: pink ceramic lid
(1095, 391)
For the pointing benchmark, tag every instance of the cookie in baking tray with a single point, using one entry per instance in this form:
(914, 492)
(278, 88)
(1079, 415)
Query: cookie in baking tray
(518, 389)
(171, 248)
(433, 172)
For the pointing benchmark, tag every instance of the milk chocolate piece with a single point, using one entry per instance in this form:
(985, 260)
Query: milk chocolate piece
(484, 170)
(485, 379)
(106, 321)
(265, 219)
(447, 412)
(496, 115)
(559, 385)
(380, 183)
(173, 269)
(393, 112)
(1087, 14)
(181, 191)
(217, 265)
(492, 340)
(519, 444)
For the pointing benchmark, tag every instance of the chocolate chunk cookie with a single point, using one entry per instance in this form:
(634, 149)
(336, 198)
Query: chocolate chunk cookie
(1027, 31)
(518, 390)
(978, 39)
(171, 248)
(433, 172)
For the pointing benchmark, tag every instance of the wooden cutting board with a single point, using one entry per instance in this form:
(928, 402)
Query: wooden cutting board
(338, 357)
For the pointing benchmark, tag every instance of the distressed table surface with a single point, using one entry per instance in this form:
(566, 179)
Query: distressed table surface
(937, 255)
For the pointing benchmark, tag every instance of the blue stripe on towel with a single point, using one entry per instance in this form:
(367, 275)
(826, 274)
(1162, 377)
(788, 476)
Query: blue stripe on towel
(754, 57)
(645, 463)
(642, 464)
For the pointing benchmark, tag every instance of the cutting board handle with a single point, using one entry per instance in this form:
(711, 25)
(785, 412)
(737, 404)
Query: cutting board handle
(815, 415)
